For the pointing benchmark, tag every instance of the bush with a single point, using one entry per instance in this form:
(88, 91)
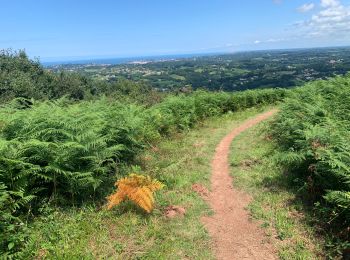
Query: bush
(21, 77)
(312, 130)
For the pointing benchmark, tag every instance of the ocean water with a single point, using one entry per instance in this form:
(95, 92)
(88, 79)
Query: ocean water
(114, 61)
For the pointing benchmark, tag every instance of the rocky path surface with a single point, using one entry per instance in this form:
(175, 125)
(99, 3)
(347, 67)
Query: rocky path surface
(234, 235)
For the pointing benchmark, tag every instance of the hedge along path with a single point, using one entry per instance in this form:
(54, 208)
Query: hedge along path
(234, 235)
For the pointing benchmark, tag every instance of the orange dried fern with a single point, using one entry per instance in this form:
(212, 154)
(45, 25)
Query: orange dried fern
(137, 188)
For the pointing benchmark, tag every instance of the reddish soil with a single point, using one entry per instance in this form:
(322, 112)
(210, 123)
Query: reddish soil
(201, 190)
(174, 211)
(234, 235)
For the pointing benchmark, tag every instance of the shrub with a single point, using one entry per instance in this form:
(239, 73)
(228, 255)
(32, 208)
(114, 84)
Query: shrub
(312, 130)
(65, 151)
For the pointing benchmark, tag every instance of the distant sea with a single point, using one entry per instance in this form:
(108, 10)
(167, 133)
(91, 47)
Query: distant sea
(114, 61)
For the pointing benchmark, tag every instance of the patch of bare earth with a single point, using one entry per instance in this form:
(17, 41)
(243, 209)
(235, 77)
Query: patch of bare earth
(201, 190)
(233, 233)
(174, 211)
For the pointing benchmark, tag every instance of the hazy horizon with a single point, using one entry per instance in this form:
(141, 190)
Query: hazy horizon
(125, 59)
(70, 30)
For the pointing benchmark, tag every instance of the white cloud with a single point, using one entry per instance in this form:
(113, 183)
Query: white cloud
(276, 40)
(329, 3)
(271, 40)
(326, 23)
(333, 20)
(306, 8)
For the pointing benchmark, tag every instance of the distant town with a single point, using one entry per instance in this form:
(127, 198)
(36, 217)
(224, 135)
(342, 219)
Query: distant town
(229, 72)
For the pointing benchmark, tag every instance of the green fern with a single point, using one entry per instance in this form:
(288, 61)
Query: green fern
(312, 131)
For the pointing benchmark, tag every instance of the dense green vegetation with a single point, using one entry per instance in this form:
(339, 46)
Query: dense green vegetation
(65, 138)
(68, 153)
(21, 77)
(230, 72)
(90, 232)
(312, 130)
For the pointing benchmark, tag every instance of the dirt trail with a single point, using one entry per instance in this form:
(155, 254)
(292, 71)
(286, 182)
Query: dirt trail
(233, 234)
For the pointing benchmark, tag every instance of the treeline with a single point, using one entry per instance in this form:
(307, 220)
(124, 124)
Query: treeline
(21, 77)
(312, 130)
(66, 153)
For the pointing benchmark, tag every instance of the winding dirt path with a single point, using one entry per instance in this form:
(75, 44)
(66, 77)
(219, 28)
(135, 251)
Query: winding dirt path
(233, 234)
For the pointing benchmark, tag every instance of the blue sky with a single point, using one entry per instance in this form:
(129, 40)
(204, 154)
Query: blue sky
(67, 29)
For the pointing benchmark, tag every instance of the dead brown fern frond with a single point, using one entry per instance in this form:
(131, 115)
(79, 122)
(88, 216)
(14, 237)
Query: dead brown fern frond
(137, 188)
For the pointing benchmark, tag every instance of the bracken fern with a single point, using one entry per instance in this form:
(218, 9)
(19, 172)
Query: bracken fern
(313, 132)
(137, 188)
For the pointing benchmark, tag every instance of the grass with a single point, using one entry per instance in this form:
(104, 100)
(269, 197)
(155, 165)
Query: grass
(275, 203)
(126, 232)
